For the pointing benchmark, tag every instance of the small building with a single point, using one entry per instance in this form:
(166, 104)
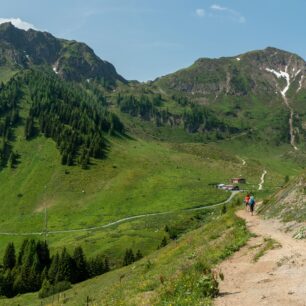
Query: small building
(238, 180)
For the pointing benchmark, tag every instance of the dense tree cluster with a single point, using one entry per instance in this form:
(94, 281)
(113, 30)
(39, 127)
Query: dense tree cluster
(75, 119)
(9, 118)
(33, 268)
(146, 107)
(200, 118)
(180, 99)
(129, 257)
(195, 119)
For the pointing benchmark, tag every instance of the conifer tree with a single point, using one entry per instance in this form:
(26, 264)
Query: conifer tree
(80, 271)
(138, 255)
(65, 266)
(128, 257)
(9, 258)
(53, 268)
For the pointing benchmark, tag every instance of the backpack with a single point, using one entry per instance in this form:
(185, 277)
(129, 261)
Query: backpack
(252, 201)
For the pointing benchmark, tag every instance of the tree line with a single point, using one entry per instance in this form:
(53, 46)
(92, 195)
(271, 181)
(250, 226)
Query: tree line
(33, 269)
(196, 118)
(9, 118)
(146, 107)
(75, 119)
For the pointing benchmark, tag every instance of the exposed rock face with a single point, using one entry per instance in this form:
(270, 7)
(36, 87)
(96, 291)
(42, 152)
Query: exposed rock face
(69, 59)
(246, 73)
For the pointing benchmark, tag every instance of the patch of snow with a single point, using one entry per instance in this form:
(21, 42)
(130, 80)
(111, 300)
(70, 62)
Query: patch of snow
(297, 73)
(55, 70)
(26, 55)
(88, 80)
(285, 74)
(282, 74)
(300, 83)
(238, 59)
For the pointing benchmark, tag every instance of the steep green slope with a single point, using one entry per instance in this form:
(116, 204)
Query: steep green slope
(166, 275)
(247, 92)
(234, 76)
(288, 204)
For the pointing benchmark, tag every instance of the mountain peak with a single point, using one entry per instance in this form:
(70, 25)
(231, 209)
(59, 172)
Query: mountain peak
(70, 60)
(6, 25)
(237, 75)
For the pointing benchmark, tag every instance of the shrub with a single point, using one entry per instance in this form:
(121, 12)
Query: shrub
(209, 286)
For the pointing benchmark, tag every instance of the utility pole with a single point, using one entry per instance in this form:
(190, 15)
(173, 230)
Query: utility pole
(46, 223)
(45, 231)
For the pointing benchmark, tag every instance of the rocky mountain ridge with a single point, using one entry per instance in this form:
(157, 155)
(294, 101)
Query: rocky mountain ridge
(71, 60)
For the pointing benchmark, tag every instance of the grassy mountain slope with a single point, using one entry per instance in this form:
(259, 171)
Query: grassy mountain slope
(166, 275)
(244, 92)
(289, 203)
(234, 76)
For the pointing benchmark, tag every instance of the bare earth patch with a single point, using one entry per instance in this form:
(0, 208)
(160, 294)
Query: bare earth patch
(41, 207)
(277, 278)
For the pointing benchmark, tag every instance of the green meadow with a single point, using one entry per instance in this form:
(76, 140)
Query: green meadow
(172, 275)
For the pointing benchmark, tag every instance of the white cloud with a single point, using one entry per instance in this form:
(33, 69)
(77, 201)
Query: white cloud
(230, 13)
(18, 23)
(200, 12)
(218, 7)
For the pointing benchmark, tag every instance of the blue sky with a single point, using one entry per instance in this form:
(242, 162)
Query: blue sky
(145, 39)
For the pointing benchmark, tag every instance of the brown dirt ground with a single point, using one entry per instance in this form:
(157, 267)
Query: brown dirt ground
(277, 278)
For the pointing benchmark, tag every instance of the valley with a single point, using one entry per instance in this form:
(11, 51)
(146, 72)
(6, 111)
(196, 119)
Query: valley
(91, 160)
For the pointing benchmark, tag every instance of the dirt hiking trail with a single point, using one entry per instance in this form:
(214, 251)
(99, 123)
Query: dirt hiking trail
(277, 278)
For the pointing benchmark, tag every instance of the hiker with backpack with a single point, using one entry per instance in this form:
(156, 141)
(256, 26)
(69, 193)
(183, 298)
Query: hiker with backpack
(246, 202)
(252, 204)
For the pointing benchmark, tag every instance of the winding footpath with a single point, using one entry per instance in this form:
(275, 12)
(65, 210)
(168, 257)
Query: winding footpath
(52, 232)
(262, 180)
(278, 278)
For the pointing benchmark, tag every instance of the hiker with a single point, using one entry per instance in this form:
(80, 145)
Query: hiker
(246, 201)
(252, 204)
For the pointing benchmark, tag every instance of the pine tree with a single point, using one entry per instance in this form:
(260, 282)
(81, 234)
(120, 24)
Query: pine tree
(53, 268)
(106, 265)
(44, 275)
(43, 253)
(12, 160)
(128, 257)
(2, 284)
(65, 266)
(29, 128)
(8, 284)
(9, 258)
(164, 242)
(138, 255)
(46, 289)
(80, 271)
(21, 252)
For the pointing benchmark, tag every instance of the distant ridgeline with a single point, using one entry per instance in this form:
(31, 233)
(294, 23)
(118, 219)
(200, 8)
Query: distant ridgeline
(43, 103)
